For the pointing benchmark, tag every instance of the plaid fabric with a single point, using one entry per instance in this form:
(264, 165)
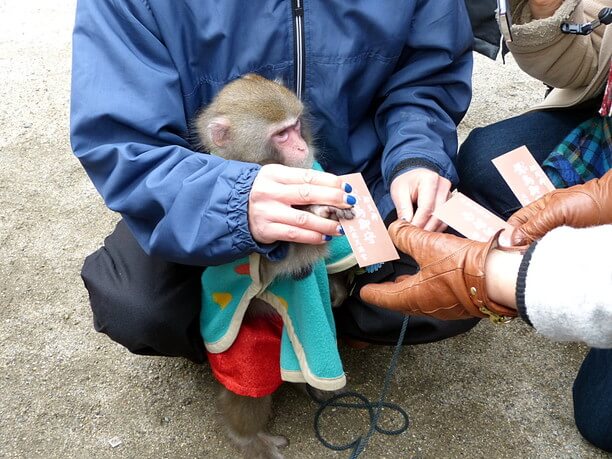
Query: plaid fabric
(585, 154)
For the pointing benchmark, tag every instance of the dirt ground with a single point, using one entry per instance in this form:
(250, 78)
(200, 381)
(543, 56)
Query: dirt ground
(68, 392)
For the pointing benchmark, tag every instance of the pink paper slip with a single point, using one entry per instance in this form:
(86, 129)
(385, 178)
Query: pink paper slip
(366, 232)
(524, 175)
(469, 218)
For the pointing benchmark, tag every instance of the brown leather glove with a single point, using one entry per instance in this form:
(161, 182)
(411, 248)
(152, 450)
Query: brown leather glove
(578, 206)
(451, 281)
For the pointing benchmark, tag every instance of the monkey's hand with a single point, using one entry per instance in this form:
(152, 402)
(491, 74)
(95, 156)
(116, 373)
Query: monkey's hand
(331, 212)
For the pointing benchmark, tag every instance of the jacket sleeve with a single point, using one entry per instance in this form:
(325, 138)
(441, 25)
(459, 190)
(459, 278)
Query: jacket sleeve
(542, 51)
(564, 285)
(429, 92)
(129, 127)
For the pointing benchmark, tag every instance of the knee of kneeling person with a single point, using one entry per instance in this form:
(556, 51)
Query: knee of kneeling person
(134, 322)
(598, 435)
(595, 427)
(473, 161)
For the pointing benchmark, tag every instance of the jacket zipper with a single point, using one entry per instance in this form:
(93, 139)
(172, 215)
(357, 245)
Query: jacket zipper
(299, 47)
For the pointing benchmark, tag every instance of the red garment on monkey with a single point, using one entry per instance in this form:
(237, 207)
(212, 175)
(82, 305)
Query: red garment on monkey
(251, 366)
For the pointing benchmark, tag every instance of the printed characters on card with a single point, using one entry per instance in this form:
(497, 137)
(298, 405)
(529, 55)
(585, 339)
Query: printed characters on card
(469, 218)
(523, 175)
(371, 243)
(366, 232)
(525, 178)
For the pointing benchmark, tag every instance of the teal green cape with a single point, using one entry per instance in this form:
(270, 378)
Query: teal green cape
(309, 351)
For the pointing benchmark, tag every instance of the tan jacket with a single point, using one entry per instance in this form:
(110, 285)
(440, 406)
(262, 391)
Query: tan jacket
(576, 66)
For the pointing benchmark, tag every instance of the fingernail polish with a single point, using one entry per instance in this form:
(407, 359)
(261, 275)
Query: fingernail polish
(340, 230)
(327, 238)
(350, 199)
(346, 187)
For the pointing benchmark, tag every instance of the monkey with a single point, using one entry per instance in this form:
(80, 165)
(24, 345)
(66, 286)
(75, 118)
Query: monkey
(250, 120)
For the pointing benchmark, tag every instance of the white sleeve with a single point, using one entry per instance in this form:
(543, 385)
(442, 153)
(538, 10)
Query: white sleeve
(568, 285)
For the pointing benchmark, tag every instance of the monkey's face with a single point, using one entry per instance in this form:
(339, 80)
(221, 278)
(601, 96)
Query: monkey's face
(289, 146)
(257, 120)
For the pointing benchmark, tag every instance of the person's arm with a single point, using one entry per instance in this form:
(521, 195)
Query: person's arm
(542, 51)
(129, 129)
(561, 285)
(451, 282)
(564, 285)
(422, 103)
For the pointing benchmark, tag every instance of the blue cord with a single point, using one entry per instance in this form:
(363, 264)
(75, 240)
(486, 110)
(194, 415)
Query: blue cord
(361, 442)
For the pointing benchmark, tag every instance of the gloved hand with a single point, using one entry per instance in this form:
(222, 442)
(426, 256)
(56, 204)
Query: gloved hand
(579, 206)
(450, 283)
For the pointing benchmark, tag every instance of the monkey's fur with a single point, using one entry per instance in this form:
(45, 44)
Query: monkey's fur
(238, 125)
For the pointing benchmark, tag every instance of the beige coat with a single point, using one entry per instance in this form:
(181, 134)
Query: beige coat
(576, 66)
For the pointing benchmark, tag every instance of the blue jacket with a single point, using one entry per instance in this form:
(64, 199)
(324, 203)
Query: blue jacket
(385, 83)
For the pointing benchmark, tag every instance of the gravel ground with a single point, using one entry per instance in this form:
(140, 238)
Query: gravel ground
(67, 391)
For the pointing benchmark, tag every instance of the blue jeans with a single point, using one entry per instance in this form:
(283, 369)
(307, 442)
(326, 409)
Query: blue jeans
(593, 398)
(541, 132)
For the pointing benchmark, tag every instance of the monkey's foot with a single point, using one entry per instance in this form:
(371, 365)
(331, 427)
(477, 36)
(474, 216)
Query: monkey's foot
(280, 441)
(262, 446)
(318, 395)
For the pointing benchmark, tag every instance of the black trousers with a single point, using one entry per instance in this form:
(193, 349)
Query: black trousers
(152, 307)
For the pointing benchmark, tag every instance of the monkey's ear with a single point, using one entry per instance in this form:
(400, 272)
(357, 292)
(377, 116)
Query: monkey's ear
(218, 131)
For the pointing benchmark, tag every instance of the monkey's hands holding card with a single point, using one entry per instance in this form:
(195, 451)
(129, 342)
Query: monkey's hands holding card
(424, 188)
(277, 189)
(450, 283)
(579, 206)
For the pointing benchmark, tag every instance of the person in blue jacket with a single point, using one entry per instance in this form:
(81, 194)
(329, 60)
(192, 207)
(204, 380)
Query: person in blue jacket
(385, 84)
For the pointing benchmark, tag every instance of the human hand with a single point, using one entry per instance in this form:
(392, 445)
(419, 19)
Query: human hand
(425, 188)
(579, 206)
(451, 280)
(541, 9)
(277, 188)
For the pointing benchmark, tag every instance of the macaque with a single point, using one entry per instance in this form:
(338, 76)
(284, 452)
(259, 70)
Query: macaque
(256, 120)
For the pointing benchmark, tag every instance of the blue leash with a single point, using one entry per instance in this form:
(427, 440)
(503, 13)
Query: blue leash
(361, 442)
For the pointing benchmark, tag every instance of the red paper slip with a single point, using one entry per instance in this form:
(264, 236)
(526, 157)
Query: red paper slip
(366, 232)
(469, 218)
(523, 175)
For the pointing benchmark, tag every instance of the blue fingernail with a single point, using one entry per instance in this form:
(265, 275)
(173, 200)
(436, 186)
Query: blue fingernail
(347, 188)
(340, 229)
(327, 238)
(350, 199)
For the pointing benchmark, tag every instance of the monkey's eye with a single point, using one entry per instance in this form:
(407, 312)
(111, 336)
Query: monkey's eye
(281, 136)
